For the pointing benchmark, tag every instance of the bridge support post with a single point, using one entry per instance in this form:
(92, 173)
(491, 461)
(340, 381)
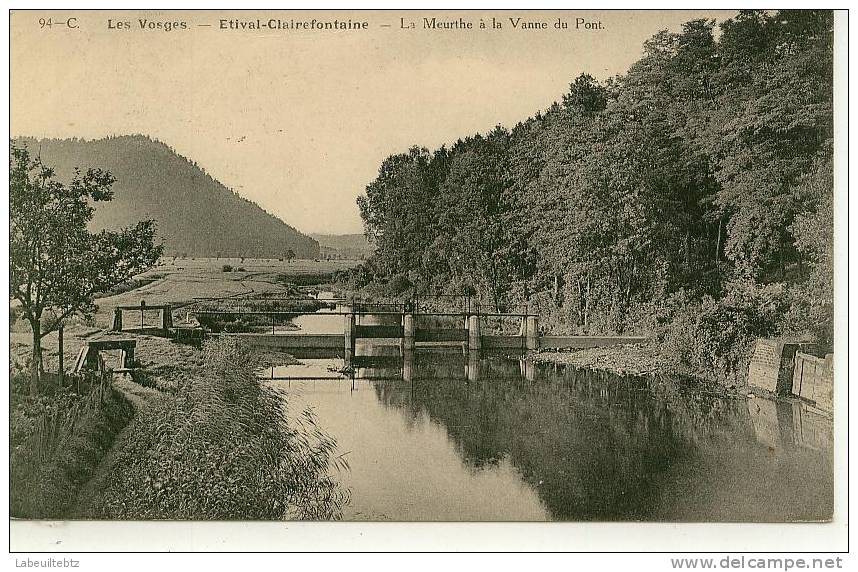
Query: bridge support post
(128, 357)
(473, 365)
(408, 365)
(475, 342)
(529, 370)
(167, 318)
(349, 335)
(407, 332)
(117, 320)
(532, 341)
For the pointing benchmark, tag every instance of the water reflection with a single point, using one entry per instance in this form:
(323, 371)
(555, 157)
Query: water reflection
(452, 435)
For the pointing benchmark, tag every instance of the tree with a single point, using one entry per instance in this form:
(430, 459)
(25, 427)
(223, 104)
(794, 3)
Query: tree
(396, 210)
(774, 121)
(56, 264)
(290, 254)
(471, 211)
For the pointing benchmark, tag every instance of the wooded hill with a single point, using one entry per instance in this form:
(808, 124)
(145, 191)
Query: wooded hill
(195, 214)
(690, 197)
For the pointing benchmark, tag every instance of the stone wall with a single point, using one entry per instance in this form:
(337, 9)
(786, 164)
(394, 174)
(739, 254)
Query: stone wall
(785, 367)
(772, 365)
(813, 379)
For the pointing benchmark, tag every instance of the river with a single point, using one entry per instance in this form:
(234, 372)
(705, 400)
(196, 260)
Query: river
(440, 435)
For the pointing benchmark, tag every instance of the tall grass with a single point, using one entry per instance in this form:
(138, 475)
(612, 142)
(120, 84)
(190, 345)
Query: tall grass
(222, 449)
(58, 440)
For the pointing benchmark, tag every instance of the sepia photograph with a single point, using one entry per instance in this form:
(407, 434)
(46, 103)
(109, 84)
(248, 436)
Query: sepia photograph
(425, 266)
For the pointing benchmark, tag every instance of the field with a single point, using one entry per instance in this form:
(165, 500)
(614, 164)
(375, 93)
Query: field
(80, 475)
(177, 282)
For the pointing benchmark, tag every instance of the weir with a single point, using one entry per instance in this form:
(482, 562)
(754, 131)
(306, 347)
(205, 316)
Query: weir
(411, 329)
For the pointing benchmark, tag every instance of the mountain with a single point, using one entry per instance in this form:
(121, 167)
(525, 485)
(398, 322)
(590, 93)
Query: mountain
(348, 246)
(196, 215)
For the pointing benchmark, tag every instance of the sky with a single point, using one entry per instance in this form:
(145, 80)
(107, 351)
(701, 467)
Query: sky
(300, 120)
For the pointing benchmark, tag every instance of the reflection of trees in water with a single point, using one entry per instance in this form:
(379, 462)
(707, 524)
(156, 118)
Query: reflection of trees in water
(594, 445)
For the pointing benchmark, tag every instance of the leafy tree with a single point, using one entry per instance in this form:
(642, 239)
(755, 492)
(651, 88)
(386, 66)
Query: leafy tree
(395, 208)
(774, 119)
(56, 264)
(471, 214)
(707, 165)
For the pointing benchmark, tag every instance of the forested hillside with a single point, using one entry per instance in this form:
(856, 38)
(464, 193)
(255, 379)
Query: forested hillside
(195, 214)
(690, 198)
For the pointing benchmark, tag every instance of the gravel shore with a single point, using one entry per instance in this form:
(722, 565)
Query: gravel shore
(629, 359)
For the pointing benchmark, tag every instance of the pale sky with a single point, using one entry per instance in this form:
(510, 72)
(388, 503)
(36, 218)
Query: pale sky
(299, 121)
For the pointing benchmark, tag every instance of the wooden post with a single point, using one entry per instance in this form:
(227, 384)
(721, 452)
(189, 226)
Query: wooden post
(532, 333)
(349, 335)
(475, 342)
(167, 320)
(62, 365)
(407, 332)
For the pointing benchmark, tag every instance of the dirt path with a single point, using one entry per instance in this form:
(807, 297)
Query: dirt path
(89, 495)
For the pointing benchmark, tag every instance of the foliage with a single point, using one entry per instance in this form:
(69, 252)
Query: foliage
(706, 165)
(714, 338)
(399, 284)
(56, 265)
(222, 449)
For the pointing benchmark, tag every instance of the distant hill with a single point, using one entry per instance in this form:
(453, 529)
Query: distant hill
(196, 215)
(350, 246)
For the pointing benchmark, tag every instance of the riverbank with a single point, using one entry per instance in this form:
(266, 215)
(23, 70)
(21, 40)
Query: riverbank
(219, 447)
(57, 442)
(193, 436)
(232, 430)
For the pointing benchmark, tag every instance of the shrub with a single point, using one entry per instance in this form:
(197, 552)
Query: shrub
(714, 338)
(227, 267)
(399, 284)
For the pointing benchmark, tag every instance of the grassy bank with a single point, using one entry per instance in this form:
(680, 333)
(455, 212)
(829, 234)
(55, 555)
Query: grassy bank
(221, 448)
(57, 442)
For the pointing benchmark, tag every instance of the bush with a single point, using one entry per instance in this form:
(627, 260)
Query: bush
(399, 284)
(222, 449)
(227, 267)
(714, 339)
